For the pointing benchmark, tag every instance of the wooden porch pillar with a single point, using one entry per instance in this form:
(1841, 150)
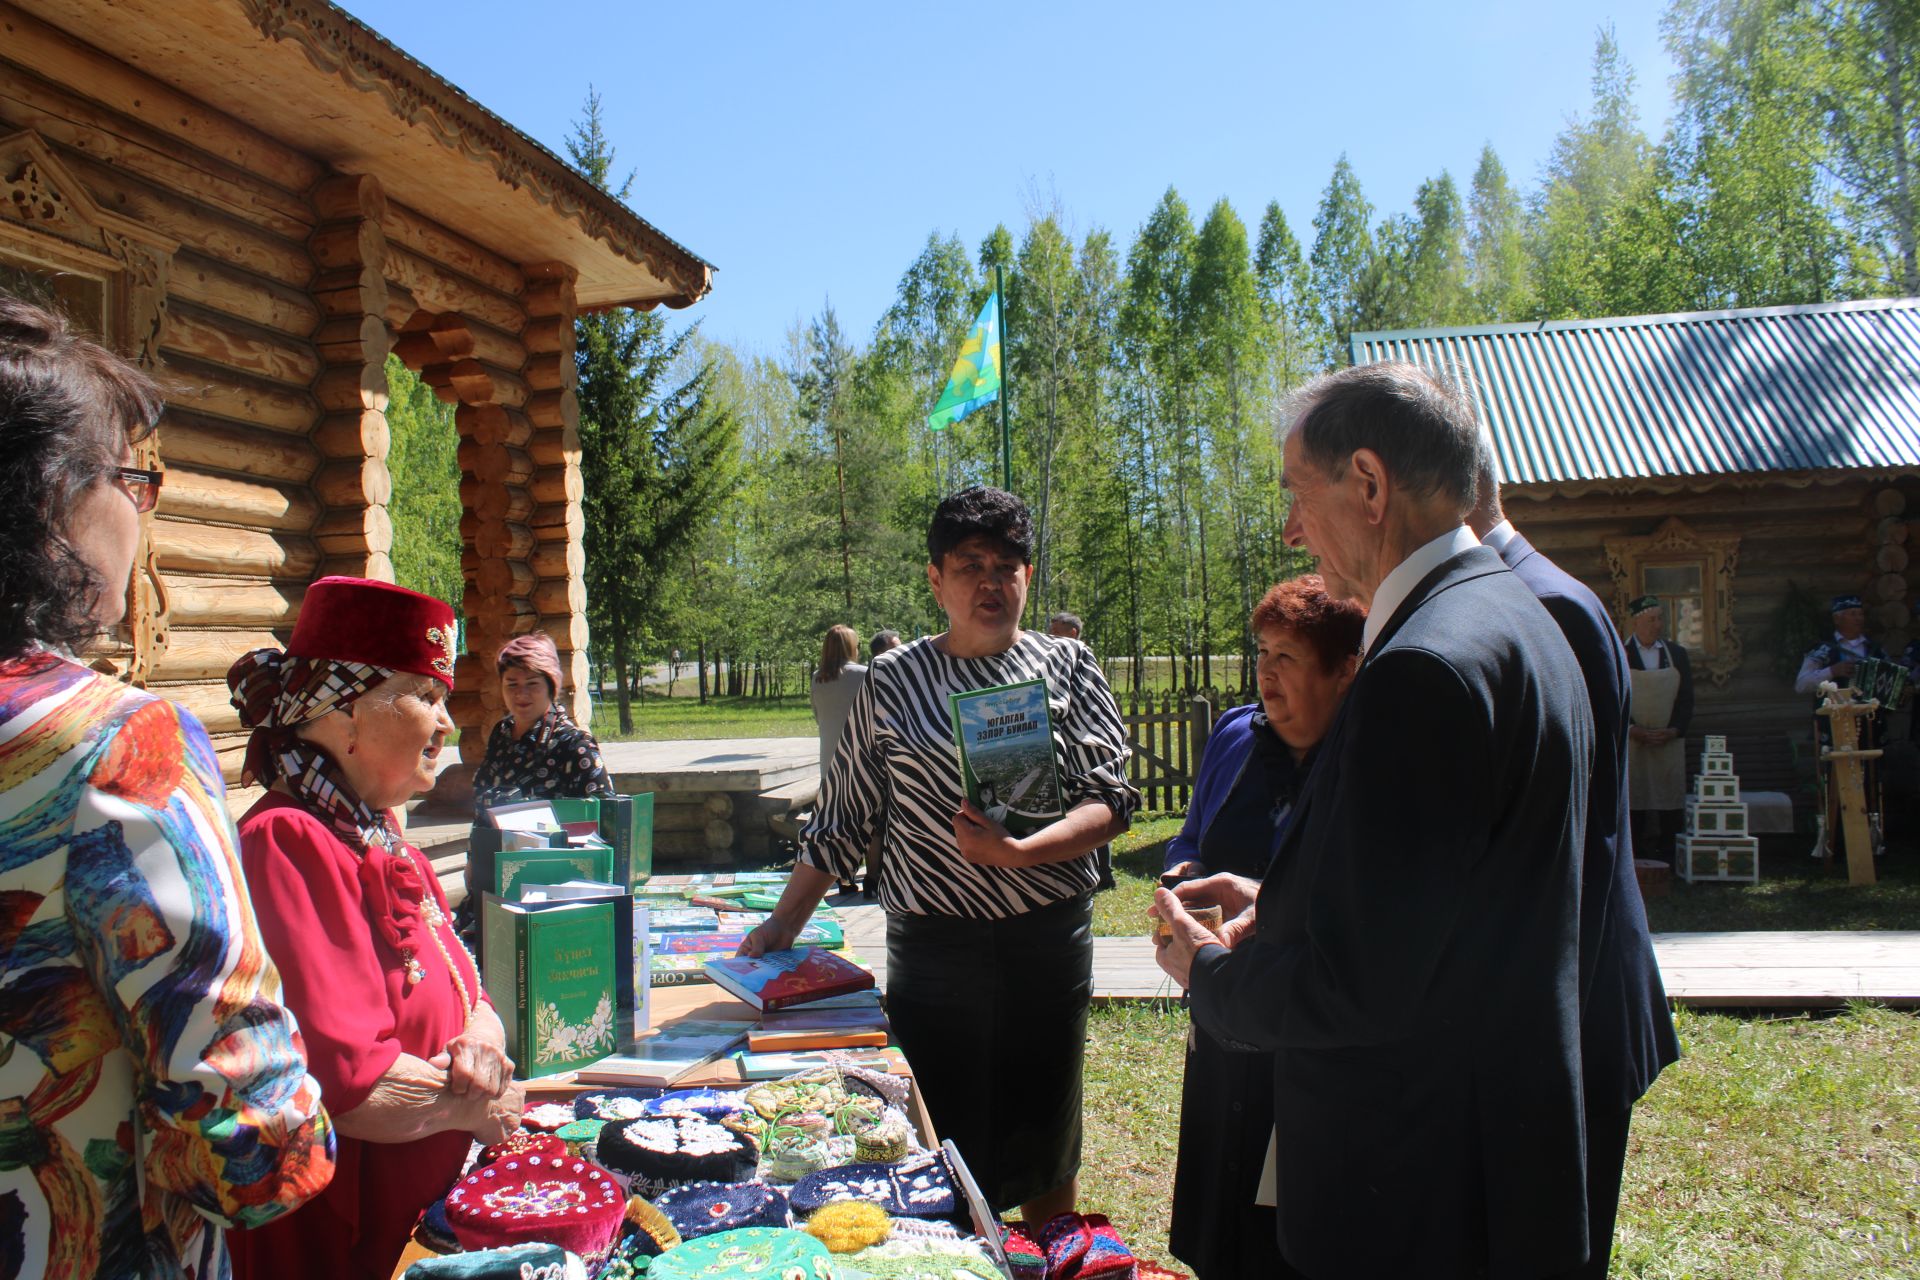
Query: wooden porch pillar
(559, 557)
(350, 287)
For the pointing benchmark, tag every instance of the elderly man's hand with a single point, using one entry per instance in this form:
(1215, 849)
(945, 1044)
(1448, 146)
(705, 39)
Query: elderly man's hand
(985, 841)
(1180, 939)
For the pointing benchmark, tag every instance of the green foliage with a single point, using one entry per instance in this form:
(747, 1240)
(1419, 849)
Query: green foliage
(1342, 251)
(1499, 271)
(422, 458)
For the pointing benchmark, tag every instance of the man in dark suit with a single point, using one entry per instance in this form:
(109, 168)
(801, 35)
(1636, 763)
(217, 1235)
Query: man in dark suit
(1626, 1032)
(1414, 963)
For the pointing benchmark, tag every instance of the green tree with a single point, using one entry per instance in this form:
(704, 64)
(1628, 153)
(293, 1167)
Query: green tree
(1498, 268)
(656, 458)
(1441, 294)
(1342, 249)
(423, 459)
(1286, 303)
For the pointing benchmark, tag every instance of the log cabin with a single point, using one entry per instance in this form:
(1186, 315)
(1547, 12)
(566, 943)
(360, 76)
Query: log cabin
(259, 200)
(1741, 465)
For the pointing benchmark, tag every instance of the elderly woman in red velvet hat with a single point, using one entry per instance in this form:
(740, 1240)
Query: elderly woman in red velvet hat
(347, 723)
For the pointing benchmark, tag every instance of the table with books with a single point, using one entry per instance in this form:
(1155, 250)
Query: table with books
(740, 1118)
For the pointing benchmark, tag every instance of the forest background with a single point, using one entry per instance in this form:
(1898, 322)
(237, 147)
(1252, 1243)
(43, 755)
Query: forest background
(740, 502)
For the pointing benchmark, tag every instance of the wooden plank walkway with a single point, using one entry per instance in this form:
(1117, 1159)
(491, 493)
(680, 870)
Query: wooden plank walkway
(725, 764)
(1701, 970)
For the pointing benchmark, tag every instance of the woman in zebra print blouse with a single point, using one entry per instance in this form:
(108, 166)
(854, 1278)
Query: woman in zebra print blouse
(989, 937)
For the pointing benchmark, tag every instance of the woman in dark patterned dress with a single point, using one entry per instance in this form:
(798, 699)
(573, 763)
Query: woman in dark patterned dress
(536, 752)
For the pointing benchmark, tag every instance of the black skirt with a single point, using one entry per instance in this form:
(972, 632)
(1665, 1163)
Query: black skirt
(992, 1016)
(1226, 1122)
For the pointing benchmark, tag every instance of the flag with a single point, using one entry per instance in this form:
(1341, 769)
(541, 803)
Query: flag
(975, 383)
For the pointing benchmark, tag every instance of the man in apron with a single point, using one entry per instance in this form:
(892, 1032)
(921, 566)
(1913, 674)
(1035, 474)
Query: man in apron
(1657, 739)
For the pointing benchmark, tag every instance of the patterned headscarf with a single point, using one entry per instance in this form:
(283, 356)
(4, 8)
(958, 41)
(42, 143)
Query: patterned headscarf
(276, 692)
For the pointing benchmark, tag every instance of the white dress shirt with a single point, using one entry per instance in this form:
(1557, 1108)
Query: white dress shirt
(1399, 584)
(1499, 536)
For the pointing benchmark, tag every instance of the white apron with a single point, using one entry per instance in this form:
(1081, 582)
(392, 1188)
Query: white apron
(1656, 776)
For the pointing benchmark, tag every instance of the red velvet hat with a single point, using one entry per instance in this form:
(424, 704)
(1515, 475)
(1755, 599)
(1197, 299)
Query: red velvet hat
(376, 623)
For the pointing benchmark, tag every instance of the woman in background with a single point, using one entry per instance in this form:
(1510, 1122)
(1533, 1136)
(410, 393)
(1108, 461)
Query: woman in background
(153, 1088)
(536, 751)
(836, 683)
(1253, 769)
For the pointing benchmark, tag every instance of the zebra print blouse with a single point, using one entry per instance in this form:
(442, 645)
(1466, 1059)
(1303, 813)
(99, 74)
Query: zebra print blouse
(897, 759)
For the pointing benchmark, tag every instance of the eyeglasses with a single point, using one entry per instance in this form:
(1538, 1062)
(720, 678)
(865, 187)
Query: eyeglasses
(141, 485)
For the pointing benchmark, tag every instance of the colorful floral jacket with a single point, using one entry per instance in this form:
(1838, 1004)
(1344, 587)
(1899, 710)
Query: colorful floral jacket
(152, 1088)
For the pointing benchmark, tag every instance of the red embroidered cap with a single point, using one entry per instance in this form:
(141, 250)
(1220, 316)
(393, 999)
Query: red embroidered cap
(377, 623)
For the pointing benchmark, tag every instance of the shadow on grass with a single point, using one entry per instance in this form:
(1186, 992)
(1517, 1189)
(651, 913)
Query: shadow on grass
(1796, 893)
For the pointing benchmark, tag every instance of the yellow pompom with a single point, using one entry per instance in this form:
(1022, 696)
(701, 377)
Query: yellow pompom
(847, 1226)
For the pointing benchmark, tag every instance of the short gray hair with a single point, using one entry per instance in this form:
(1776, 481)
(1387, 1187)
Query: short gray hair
(1421, 424)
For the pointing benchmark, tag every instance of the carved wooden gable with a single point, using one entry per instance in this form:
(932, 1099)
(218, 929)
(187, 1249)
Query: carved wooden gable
(50, 224)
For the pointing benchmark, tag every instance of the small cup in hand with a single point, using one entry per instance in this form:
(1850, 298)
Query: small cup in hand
(1214, 918)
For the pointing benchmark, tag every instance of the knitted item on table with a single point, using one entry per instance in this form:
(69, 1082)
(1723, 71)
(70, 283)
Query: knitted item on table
(518, 1262)
(1027, 1260)
(702, 1208)
(522, 1142)
(920, 1186)
(882, 1142)
(567, 1202)
(580, 1137)
(654, 1153)
(849, 1225)
(650, 1231)
(614, 1104)
(925, 1229)
(545, 1117)
(1085, 1247)
(754, 1253)
(924, 1260)
(433, 1230)
(710, 1103)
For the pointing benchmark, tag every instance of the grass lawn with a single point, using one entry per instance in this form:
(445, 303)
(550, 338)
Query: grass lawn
(658, 718)
(1777, 1147)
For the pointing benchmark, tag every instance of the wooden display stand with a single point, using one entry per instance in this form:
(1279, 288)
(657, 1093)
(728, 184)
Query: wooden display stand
(1847, 764)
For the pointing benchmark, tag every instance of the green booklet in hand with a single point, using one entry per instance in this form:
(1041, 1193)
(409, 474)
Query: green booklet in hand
(1005, 739)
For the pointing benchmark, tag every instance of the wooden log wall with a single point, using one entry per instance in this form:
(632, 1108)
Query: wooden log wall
(1824, 538)
(291, 284)
(237, 530)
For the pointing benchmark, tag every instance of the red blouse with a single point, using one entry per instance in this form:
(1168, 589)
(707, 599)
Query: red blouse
(337, 925)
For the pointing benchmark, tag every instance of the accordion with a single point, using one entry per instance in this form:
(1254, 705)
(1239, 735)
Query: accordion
(1883, 680)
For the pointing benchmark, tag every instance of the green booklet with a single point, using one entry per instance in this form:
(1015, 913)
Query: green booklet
(1005, 739)
(553, 971)
(514, 869)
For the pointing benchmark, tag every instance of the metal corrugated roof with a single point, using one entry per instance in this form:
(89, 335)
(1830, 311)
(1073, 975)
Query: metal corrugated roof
(1812, 388)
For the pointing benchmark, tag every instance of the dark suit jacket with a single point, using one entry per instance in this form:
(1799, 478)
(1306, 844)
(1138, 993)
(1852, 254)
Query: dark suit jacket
(1416, 968)
(1626, 1032)
(1683, 700)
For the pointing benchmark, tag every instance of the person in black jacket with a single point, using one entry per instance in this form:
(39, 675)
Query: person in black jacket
(1414, 956)
(1626, 1031)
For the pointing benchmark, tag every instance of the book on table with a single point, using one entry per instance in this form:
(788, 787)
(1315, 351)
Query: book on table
(816, 933)
(792, 977)
(774, 1066)
(674, 1051)
(1004, 736)
(857, 1036)
(632, 940)
(553, 970)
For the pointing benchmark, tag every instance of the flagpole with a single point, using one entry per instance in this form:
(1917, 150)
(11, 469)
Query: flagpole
(1006, 384)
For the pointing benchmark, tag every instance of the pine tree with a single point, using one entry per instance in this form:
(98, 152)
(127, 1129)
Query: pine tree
(1342, 249)
(1498, 269)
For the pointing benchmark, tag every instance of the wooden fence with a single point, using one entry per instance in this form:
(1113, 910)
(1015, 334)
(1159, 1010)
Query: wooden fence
(1168, 732)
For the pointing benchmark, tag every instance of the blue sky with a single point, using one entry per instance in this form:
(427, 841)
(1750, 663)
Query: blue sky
(806, 150)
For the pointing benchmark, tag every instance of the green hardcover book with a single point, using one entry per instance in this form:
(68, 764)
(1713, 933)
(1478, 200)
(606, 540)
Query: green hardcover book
(514, 869)
(1005, 739)
(553, 973)
(626, 823)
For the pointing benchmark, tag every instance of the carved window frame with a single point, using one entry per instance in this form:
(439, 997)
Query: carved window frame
(48, 221)
(1719, 555)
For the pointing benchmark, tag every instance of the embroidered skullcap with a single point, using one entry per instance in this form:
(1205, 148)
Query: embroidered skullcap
(1845, 602)
(1643, 604)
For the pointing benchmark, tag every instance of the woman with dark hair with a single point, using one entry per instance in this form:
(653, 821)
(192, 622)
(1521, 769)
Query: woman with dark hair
(153, 1089)
(348, 721)
(1253, 769)
(536, 751)
(989, 937)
